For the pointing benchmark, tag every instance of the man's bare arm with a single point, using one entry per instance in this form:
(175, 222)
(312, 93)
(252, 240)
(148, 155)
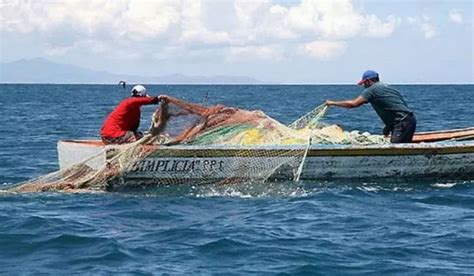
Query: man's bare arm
(349, 103)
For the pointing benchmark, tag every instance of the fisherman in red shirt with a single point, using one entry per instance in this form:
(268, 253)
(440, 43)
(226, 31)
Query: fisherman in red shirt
(121, 126)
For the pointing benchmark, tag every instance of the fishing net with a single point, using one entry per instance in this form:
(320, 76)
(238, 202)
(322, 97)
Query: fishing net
(192, 143)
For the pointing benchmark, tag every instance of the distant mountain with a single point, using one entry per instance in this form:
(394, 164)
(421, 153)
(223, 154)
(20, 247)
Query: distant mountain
(40, 70)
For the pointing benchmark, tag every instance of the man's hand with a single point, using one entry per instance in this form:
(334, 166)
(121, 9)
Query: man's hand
(329, 102)
(162, 98)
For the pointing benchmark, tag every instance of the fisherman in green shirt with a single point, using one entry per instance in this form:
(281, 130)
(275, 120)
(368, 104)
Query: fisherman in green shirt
(388, 103)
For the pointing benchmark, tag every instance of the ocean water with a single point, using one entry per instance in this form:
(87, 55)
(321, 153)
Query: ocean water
(375, 227)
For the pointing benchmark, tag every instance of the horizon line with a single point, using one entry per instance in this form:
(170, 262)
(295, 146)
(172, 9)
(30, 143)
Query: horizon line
(264, 83)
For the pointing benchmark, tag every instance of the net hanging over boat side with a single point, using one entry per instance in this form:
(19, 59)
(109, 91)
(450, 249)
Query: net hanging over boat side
(87, 175)
(222, 145)
(238, 145)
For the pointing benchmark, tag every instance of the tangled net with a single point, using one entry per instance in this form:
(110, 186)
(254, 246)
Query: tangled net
(180, 123)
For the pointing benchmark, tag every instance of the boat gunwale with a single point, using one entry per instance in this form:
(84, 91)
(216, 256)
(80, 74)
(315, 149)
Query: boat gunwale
(465, 147)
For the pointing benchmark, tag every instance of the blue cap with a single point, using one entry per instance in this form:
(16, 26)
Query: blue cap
(369, 74)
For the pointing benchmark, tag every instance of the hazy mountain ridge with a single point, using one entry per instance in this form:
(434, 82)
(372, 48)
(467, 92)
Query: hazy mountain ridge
(40, 70)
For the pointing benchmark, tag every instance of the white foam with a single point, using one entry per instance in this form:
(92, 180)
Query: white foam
(444, 185)
(253, 190)
(368, 188)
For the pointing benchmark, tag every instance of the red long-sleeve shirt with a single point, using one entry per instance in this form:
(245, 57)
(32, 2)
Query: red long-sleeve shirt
(125, 117)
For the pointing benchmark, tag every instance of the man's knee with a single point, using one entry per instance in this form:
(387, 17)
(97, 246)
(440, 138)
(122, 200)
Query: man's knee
(403, 132)
(128, 137)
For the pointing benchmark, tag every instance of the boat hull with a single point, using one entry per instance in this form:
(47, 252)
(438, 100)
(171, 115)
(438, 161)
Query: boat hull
(204, 164)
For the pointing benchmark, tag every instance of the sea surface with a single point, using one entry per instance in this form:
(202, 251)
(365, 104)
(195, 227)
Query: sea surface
(306, 228)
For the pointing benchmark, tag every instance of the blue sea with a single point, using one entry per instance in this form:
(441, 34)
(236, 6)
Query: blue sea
(306, 228)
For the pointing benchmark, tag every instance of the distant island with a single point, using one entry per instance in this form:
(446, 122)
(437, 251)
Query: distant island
(40, 70)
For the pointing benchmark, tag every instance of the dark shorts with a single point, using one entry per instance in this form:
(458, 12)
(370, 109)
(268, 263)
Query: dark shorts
(404, 130)
(128, 137)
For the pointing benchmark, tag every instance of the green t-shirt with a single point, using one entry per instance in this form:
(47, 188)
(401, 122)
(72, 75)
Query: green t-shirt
(387, 102)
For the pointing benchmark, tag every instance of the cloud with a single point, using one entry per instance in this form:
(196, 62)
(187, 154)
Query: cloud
(324, 50)
(424, 24)
(258, 29)
(427, 28)
(139, 19)
(193, 28)
(335, 20)
(376, 28)
(456, 16)
(260, 52)
(411, 20)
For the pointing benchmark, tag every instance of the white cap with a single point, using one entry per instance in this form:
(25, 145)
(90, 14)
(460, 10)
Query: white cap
(138, 90)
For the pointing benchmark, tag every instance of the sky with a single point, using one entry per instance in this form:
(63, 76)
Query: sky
(307, 41)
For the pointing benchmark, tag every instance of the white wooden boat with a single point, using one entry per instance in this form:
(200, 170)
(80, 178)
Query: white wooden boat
(201, 164)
